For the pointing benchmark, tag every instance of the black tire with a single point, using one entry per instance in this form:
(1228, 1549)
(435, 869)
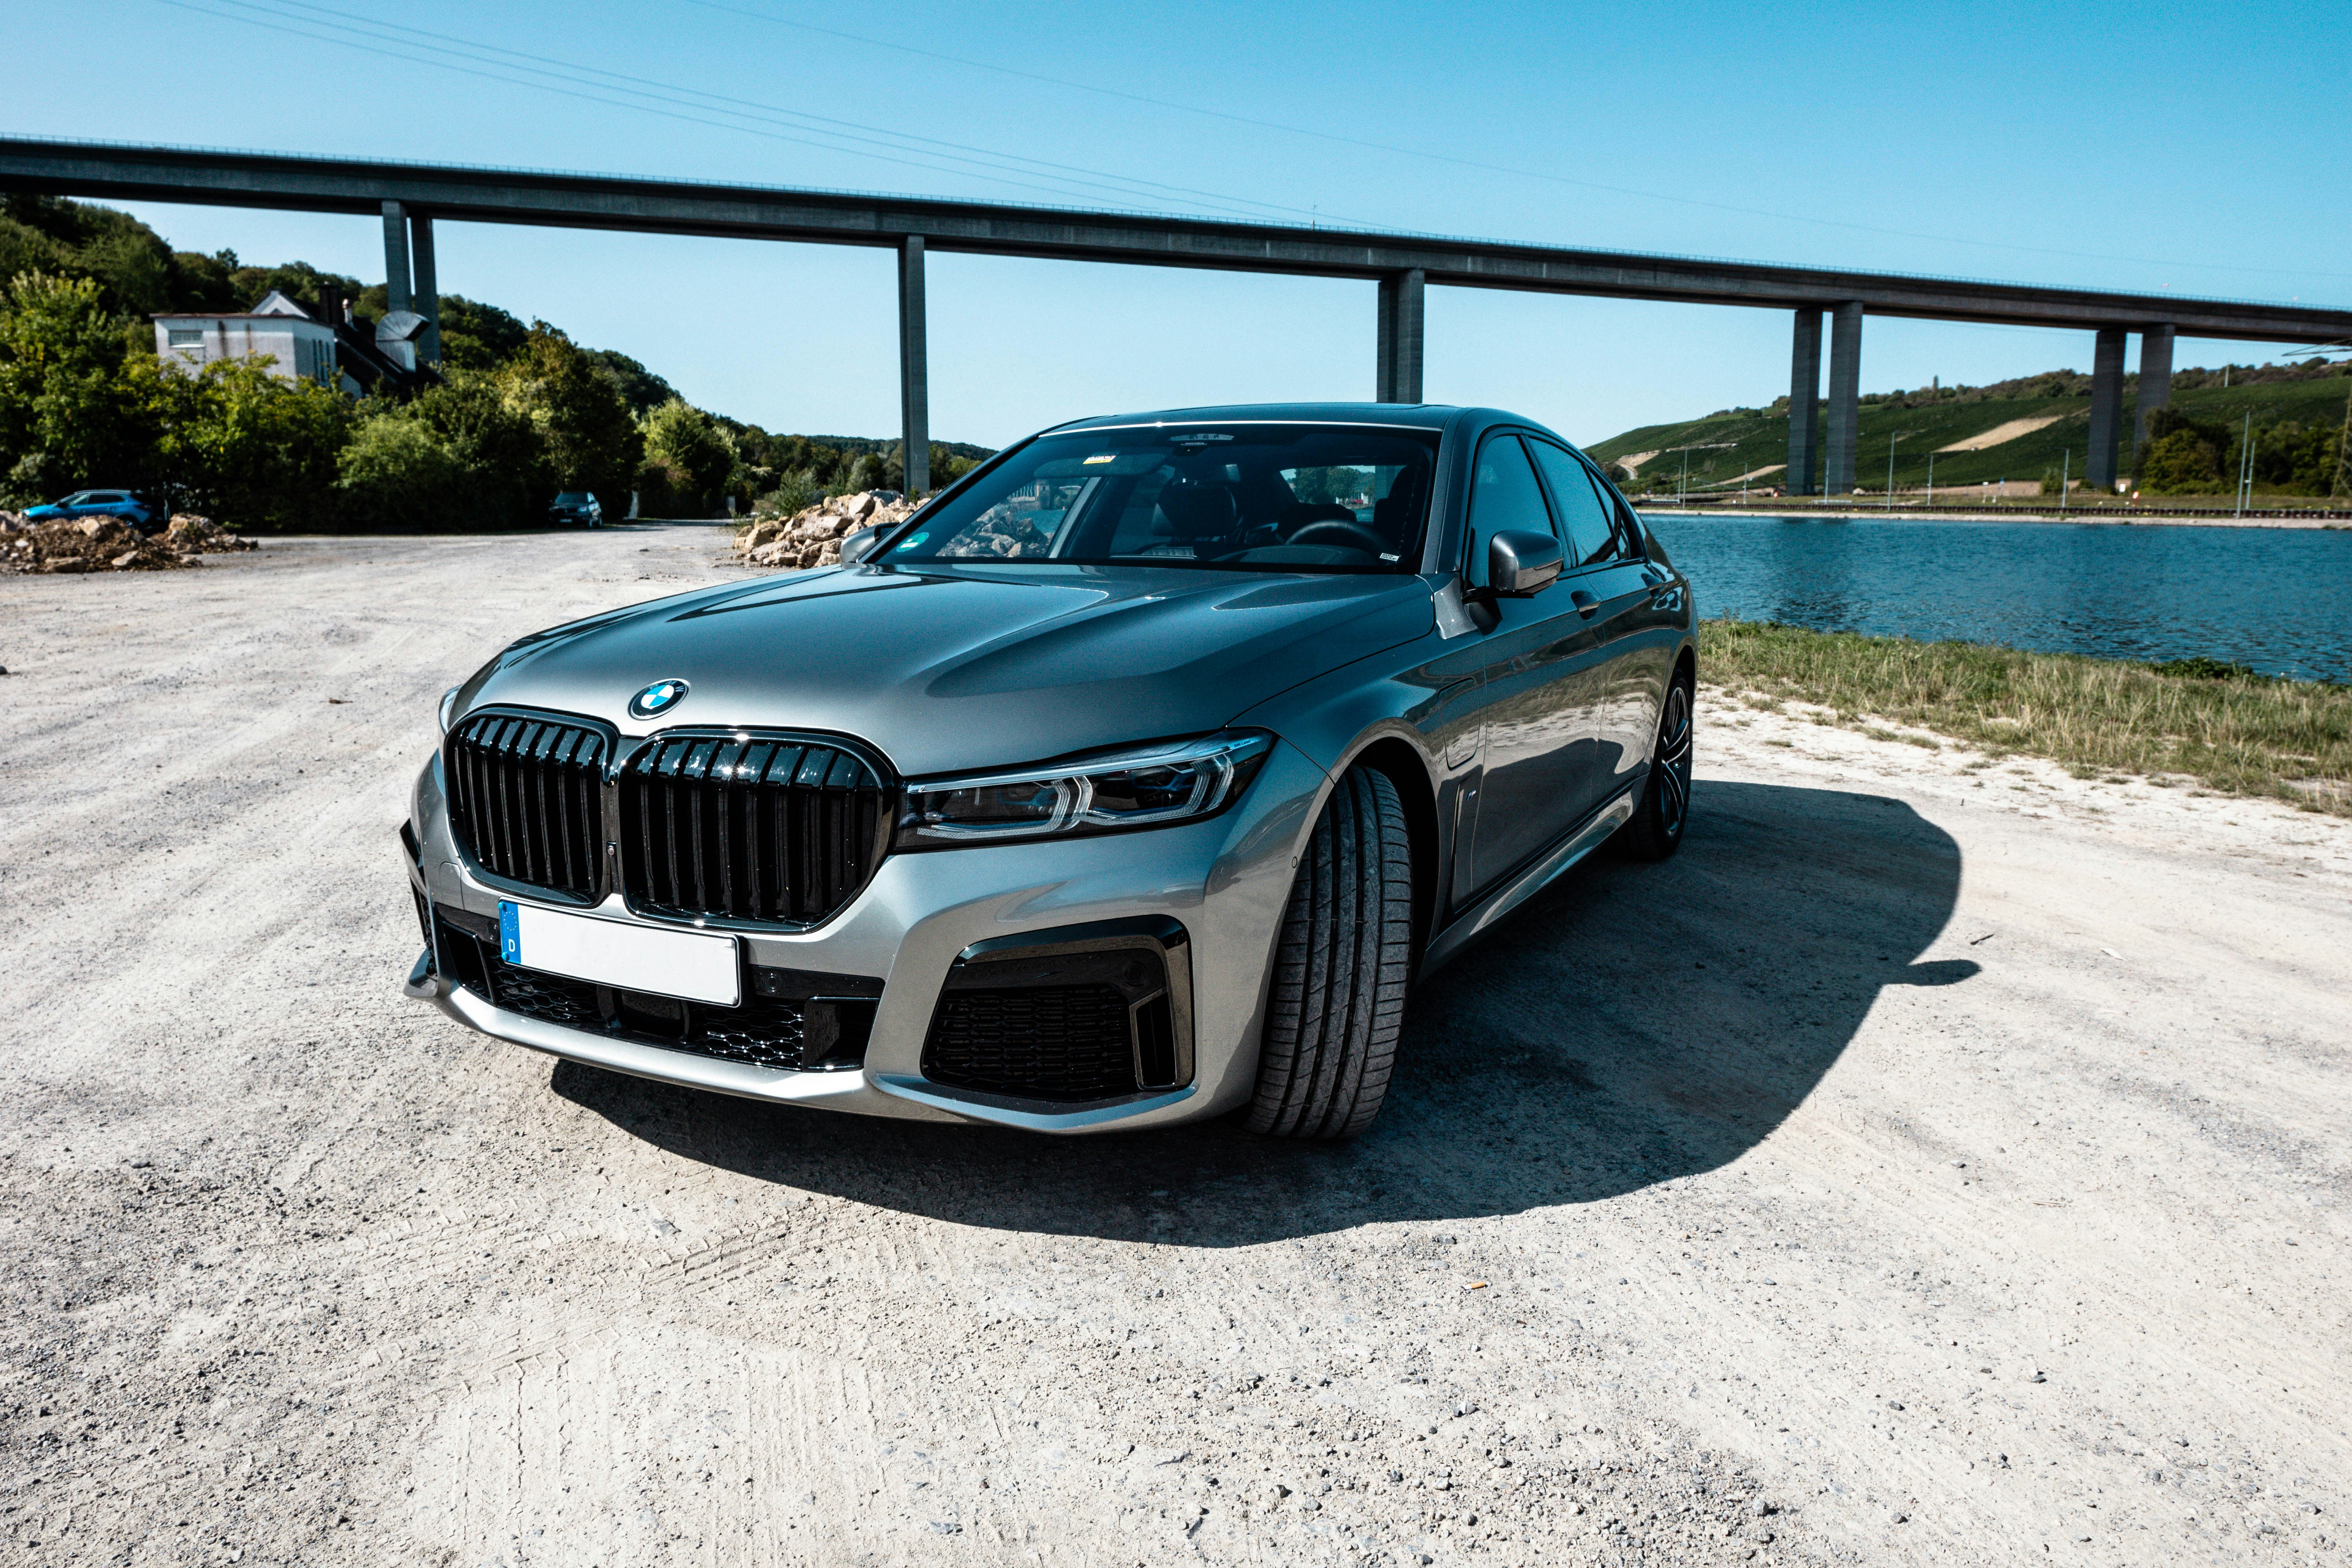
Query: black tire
(1655, 830)
(1341, 970)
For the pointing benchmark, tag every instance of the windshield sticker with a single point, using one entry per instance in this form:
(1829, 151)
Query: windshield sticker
(914, 542)
(1106, 458)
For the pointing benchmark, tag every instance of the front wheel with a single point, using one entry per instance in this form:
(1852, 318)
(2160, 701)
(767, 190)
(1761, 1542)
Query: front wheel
(1341, 969)
(1657, 829)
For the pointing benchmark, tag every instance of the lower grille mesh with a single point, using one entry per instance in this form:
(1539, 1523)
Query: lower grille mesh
(764, 1032)
(1061, 1042)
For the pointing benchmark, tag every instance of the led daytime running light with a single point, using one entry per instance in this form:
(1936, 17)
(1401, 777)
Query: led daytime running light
(1074, 798)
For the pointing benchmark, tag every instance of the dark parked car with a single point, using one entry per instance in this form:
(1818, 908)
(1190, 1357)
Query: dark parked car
(129, 505)
(576, 507)
(1133, 780)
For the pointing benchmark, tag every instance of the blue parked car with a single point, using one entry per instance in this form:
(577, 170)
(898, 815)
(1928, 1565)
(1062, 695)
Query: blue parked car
(130, 507)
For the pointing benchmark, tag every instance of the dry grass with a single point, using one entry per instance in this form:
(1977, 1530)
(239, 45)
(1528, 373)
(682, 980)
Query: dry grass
(2224, 728)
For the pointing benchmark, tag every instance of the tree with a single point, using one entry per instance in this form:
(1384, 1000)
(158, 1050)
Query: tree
(592, 443)
(475, 336)
(67, 417)
(640, 388)
(257, 450)
(694, 454)
(2183, 463)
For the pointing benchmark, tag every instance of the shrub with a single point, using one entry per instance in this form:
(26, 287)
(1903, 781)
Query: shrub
(399, 475)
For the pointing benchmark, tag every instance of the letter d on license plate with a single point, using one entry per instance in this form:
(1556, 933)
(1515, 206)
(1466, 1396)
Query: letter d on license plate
(695, 965)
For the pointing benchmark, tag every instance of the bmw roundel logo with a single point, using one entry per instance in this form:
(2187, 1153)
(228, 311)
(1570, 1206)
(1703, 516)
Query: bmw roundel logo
(657, 698)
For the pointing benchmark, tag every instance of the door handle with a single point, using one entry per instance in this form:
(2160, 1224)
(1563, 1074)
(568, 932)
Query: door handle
(1585, 602)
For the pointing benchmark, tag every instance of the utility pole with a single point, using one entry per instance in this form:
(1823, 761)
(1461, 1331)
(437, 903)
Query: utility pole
(2245, 462)
(1890, 464)
(1683, 484)
(1931, 480)
(2065, 478)
(2343, 485)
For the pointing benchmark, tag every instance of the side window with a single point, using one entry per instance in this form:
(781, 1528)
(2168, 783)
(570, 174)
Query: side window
(1502, 494)
(1590, 528)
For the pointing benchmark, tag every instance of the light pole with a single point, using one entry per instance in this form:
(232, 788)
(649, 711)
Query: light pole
(1890, 465)
(2245, 463)
(1683, 484)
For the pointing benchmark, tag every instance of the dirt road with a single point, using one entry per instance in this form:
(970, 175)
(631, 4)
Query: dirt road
(1933, 1164)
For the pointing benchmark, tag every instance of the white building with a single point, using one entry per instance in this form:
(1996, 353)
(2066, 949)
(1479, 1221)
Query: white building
(278, 327)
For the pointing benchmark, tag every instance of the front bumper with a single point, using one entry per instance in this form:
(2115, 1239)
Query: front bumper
(1225, 880)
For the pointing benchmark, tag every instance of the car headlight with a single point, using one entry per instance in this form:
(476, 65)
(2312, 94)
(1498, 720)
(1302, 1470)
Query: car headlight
(450, 707)
(1149, 787)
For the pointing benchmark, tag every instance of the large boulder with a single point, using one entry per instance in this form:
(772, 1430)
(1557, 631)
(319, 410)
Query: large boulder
(812, 536)
(198, 535)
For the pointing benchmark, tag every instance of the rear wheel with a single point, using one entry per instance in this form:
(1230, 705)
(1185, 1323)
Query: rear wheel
(1657, 829)
(1340, 970)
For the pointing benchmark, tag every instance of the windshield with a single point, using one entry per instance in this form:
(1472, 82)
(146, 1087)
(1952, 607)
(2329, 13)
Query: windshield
(572, 498)
(1235, 497)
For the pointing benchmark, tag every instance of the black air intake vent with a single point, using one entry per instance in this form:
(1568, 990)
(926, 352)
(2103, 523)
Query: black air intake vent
(1074, 1013)
(750, 828)
(526, 799)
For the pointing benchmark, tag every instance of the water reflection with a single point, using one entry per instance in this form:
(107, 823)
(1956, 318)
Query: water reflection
(2277, 599)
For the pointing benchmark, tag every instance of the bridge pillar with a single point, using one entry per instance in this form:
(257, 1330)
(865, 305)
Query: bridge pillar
(2154, 381)
(2107, 408)
(1397, 376)
(1804, 406)
(1845, 399)
(428, 299)
(395, 256)
(914, 368)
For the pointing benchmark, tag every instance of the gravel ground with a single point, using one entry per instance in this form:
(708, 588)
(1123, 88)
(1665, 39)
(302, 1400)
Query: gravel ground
(1936, 1162)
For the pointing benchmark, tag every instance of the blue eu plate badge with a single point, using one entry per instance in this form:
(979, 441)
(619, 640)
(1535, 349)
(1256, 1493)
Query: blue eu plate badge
(509, 933)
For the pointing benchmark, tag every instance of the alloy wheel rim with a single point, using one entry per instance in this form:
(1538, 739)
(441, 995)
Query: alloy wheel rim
(1674, 760)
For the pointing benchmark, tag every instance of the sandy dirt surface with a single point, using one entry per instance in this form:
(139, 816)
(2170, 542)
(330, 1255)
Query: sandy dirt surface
(2001, 435)
(1935, 1162)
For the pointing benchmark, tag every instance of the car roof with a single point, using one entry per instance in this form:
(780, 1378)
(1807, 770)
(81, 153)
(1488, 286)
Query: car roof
(1412, 415)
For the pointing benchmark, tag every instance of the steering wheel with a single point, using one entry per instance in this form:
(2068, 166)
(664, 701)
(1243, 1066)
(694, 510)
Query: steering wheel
(1348, 536)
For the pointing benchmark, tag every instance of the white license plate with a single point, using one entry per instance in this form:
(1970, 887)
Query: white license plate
(695, 966)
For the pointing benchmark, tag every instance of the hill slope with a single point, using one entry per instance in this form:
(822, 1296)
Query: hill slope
(2018, 430)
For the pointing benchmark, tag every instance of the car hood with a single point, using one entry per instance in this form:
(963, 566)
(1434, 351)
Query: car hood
(965, 668)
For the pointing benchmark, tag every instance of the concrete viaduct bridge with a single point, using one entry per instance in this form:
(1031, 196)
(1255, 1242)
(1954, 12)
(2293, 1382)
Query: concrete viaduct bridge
(410, 197)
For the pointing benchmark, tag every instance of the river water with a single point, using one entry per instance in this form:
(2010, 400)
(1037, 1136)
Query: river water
(2277, 599)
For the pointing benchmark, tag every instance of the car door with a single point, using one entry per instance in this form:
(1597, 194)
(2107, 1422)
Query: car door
(1536, 733)
(1608, 581)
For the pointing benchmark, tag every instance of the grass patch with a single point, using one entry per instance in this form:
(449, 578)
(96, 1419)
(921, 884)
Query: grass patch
(2220, 726)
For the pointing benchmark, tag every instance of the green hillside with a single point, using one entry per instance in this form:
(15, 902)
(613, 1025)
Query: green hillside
(2298, 413)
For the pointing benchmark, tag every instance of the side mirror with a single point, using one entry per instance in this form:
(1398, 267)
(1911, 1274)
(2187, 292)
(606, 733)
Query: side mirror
(860, 544)
(1521, 563)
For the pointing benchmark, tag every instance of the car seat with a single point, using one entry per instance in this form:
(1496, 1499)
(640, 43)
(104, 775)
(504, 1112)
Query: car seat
(1195, 516)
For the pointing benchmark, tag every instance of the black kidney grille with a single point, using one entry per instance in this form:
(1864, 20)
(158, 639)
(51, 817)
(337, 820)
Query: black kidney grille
(753, 829)
(525, 799)
(1058, 1042)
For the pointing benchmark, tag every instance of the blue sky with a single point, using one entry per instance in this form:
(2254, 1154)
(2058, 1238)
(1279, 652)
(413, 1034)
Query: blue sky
(2195, 149)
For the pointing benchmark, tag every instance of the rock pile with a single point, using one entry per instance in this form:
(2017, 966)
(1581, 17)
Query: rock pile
(109, 545)
(812, 536)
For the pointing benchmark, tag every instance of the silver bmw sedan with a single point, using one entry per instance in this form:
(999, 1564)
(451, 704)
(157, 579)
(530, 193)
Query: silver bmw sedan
(1135, 779)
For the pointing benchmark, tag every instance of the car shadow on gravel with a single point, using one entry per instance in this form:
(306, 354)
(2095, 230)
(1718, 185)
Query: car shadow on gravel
(1637, 1024)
